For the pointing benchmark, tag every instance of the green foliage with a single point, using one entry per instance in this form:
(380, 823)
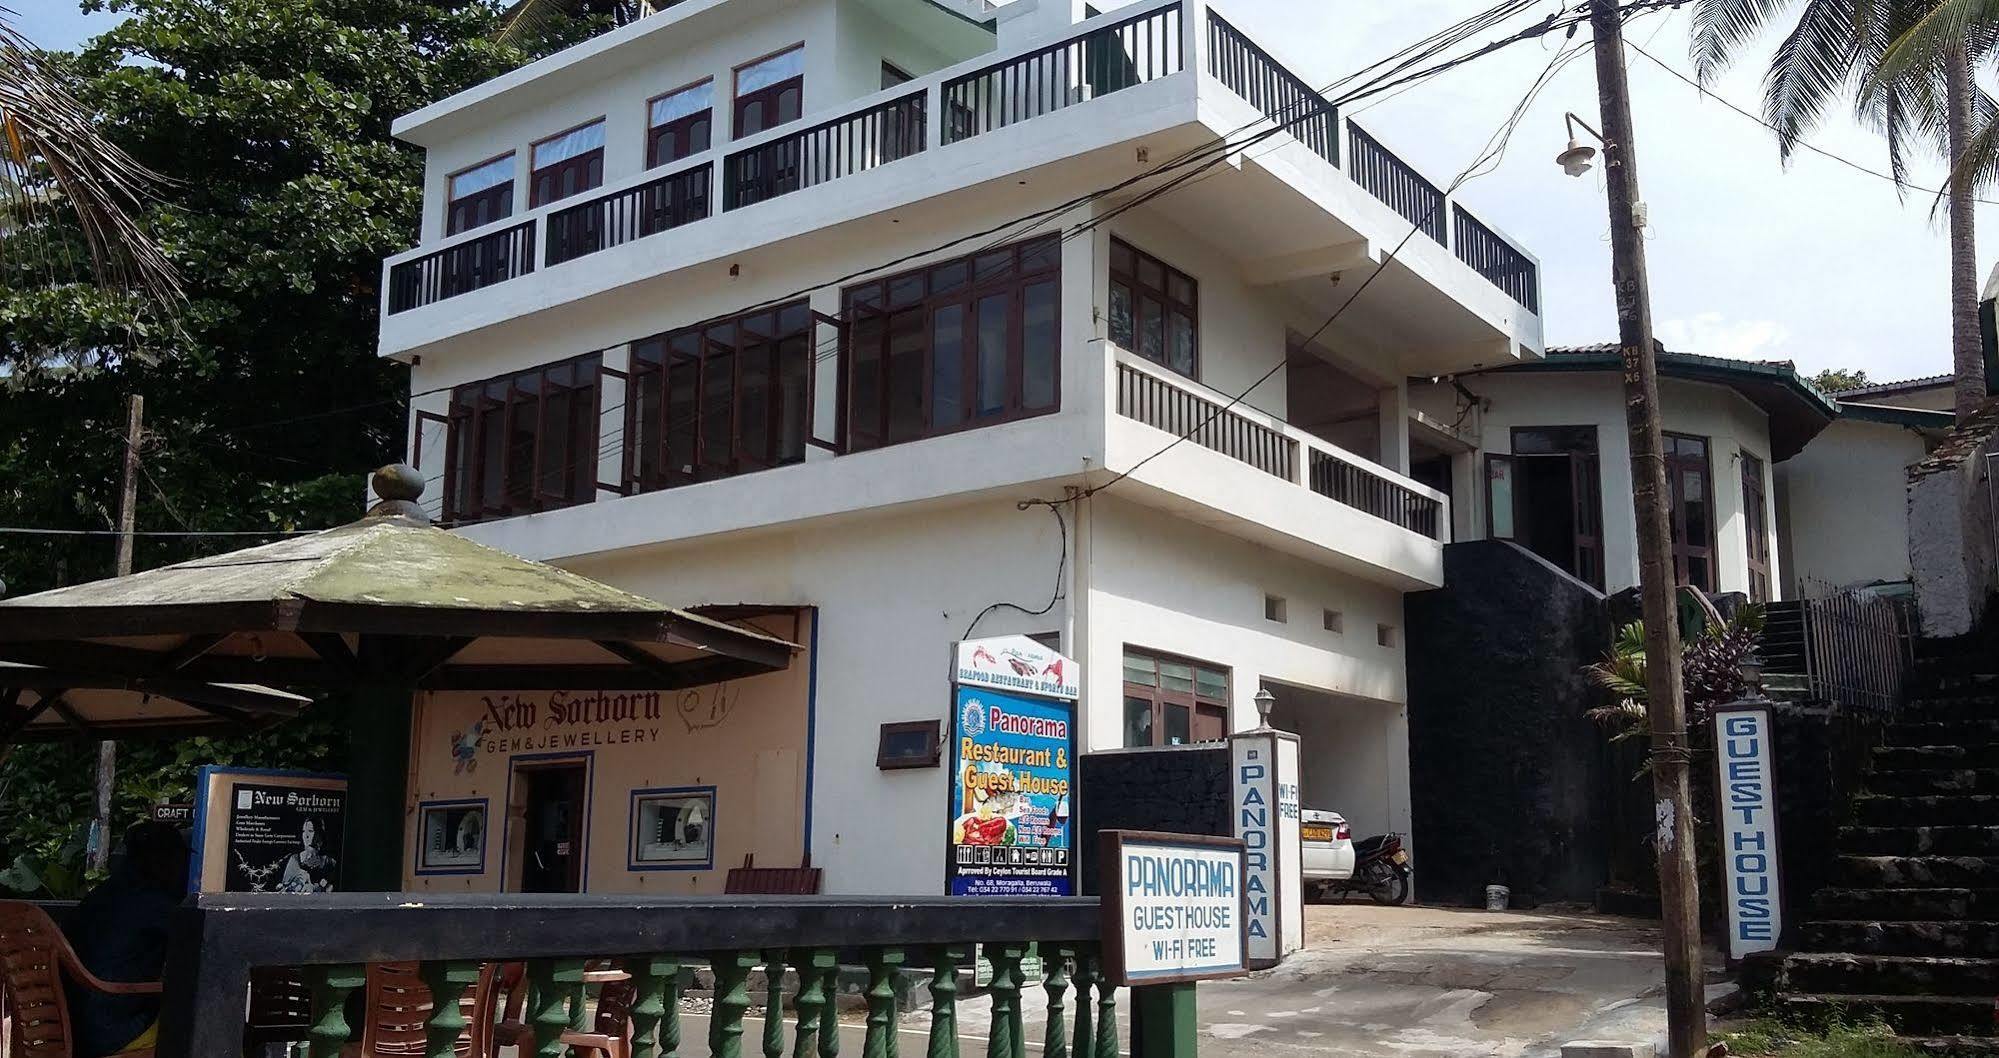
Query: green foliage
(1711, 653)
(265, 401)
(1839, 379)
(1770, 1038)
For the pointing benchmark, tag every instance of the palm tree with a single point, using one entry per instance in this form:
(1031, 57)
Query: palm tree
(55, 167)
(1837, 47)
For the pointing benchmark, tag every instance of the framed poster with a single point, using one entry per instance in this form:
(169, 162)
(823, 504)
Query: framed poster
(1012, 772)
(673, 829)
(451, 837)
(268, 831)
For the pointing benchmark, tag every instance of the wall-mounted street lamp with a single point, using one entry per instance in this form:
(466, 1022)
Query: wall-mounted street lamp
(1578, 158)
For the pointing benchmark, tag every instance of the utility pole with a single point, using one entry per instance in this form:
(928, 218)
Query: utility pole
(1679, 889)
(128, 516)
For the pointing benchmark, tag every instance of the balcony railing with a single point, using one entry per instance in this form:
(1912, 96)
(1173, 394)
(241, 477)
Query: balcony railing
(462, 267)
(621, 961)
(1397, 184)
(1108, 59)
(1497, 260)
(1251, 73)
(633, 213)
(1186, 408)
(846, 145)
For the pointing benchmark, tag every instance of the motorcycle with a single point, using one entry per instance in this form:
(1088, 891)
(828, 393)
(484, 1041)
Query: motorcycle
(1380, 869)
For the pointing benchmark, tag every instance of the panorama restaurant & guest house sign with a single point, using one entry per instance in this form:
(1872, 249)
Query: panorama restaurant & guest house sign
(1013, 750)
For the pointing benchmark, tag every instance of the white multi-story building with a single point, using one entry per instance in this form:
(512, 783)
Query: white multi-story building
(859, 307)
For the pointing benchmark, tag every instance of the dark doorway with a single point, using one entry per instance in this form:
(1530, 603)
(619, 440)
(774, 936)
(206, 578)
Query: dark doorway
(553, 841)
(1547, 496)
(1432, 468)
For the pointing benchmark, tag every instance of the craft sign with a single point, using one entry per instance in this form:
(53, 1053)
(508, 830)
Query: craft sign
(1173, 907)
(1752, 885)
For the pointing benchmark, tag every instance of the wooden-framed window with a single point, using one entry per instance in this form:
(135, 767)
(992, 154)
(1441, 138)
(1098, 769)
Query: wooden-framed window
(1689, 484)
(680, 123)
(1172, 701)
(893, 75)
(523, 442)
(720, 399)
(770, 91)
(1547, 496)
(479, 195)
(909, 744)
(568, 163)
(1755, 520)
(957, 345)
(1154, 309)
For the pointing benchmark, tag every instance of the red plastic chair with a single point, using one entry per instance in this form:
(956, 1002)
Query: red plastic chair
(34, 959)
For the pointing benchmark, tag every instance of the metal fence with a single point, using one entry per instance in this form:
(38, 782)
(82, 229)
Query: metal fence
(1847, 649)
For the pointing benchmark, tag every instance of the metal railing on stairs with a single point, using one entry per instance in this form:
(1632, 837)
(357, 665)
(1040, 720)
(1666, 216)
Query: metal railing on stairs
(1842, 648)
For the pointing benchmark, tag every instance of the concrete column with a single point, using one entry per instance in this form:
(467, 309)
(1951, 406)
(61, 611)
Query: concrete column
(1395, 427)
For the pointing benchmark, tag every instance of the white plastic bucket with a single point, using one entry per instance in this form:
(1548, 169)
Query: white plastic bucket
(1496, 897)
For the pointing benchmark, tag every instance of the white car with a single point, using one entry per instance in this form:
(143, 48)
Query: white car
(1328, 848)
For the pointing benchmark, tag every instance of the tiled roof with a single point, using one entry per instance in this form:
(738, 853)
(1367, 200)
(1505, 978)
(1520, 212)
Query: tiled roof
(1877, 388)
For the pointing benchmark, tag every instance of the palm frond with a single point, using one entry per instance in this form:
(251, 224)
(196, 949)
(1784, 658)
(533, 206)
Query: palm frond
(529, 20)
(1814, 64)
(1942, 27)
(1721, 28)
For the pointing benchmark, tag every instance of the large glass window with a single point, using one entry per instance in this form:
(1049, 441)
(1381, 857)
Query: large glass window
(479, 195)
(1690, 485)
(724, 398)
(1154, 309)
(965, 343)
(770, 92)
(680, 123)
(524, 442)
(567, 164)
(1172, 701)
(1755, 518)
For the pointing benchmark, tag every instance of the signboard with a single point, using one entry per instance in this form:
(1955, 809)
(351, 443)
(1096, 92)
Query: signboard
(1017, 663)
(1012, 769)
(174, 815)
(1265, 803)
(268, 832)
(1173, 907)
(1747, 784)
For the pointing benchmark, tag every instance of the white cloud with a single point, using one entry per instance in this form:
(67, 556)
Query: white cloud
(1712, 334)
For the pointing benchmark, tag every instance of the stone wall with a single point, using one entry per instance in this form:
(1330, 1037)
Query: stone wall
(1952, 556)
(1175, 789)
(1507, 776)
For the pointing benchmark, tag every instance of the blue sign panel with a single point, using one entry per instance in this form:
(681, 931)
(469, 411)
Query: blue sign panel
(1012, 764)
(1748, 794)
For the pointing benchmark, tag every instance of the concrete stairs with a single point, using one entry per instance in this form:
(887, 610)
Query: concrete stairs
(1908, 929)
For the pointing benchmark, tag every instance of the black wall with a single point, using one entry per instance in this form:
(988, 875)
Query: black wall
(1175, 789)
(1507, 776)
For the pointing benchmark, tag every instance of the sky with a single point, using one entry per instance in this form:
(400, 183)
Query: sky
(1811, 262)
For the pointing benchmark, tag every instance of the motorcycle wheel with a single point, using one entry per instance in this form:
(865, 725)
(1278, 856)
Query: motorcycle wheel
(1388, 886)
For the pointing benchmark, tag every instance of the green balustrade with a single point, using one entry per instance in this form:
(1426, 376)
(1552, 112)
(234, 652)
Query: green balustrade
(829, 1012)
(944, 1000)
(1107, 1046)
(331, 985)
(448, 982)
(655, 1006)
(774, 1003)
(1055, 981)
(555, 987)
(882, 966)
(1005, 990)
(1086, 976)
(732, 1001)
(811, 966)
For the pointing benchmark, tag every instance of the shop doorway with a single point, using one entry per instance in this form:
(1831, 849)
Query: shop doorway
(550, 803)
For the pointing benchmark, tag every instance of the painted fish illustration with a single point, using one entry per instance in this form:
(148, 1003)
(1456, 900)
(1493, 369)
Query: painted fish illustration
(465, 748)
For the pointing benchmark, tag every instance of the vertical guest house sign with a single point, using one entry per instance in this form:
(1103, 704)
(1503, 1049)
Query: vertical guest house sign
(1747, 785)
(1013, 753)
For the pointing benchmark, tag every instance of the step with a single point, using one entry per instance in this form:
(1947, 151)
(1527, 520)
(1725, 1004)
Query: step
(1937, 810)
(1918, 732)
(1916, 872)
(1947, 707)
(1952, 1046)
(1908, 1015)
(1919, 841)
(1927, 758)
(1840, 973)
(1935, 781)
(1907, 905)
(1873, 937)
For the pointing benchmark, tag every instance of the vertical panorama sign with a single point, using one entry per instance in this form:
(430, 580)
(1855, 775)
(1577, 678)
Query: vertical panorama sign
(1747, 785)
(1172, 906)
(1264, 802)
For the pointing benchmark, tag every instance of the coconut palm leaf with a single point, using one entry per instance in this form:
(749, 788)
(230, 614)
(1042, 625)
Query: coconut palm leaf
(53, 161)
(529, 21)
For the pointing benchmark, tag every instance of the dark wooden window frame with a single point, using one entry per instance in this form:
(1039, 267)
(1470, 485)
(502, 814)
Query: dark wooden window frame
(1685, 554)
(893, 75)
(690, 134)
(1756, 526)
(476, 408)
(590, 164)
(872, 312)
(771, 93)
(932, 731)
(1586, 560)
(686, 354)
(1137, 290)
(500, 194)
(1196, 704)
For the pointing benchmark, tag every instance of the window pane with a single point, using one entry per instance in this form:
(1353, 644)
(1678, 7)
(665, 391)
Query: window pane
(947, 367)
(1151, 273)
(766, 72)
(1499, 489)
(718, 383)
(569, 145)
(865, 412)
(753, 402)
(1121, 323)
(479, 178)
(794, 383)
(683, 416)
(1211, 683)
(556, 462)
(905, 375)
(1180, 289)
(1139, 668)
(1151, 330)
(646, 416)
(905, 291)
(683, 103)
(992, 267)
(1137, 722)
(946, 278)
(993, 312)
(1121, 258)
(1041, 343)
(1180, 343)
(1041, 255)
(1179, 725)
(1176, 676)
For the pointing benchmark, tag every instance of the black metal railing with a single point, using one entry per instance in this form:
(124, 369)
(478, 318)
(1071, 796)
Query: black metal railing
(1840, 648)
(1108, 59)
(1378, 171)
(1499, 261)
(462, 267)
(634, 213)
(624, 959)
(849, 144)
(1369, 493)
(1264, 83)
(1175, 409)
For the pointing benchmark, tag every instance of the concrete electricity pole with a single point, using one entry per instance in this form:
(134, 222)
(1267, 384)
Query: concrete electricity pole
(1679, 889)
(128, 515)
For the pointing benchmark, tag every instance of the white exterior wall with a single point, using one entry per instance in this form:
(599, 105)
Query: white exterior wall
(1731, 424)
(1845, 504)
